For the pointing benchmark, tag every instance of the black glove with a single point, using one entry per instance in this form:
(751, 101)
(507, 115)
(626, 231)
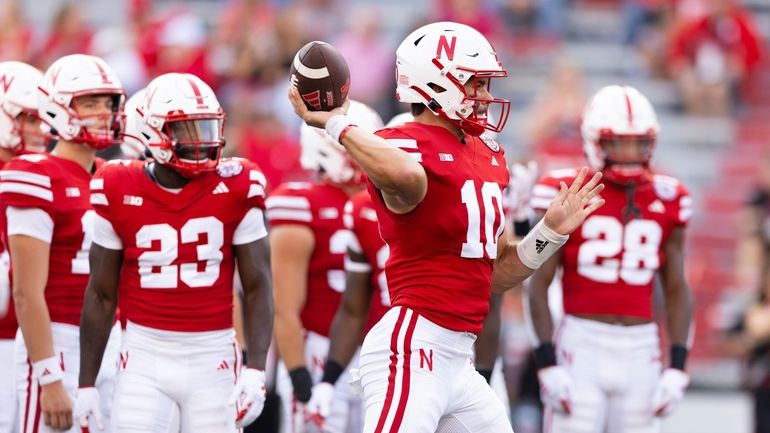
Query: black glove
(302, 384)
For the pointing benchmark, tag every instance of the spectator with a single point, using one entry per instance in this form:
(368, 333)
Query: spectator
(15, 33)
(69, 34)
(370, 59)
(552, 122)
(712, 55)
(542, 17)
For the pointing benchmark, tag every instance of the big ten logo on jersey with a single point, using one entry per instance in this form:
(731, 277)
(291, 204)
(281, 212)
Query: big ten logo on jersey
(338, 244)
(156, 270)
(492, 225)
(614, 252)
(132, 200)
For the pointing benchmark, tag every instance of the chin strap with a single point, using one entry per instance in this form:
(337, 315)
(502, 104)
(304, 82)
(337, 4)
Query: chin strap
(631, 211)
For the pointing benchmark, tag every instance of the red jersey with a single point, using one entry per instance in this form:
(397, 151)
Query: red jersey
(442, 252)
(59, 187)
(361, 219)
(8, 322)
(178, 261)
(319, 207)
(611, 260)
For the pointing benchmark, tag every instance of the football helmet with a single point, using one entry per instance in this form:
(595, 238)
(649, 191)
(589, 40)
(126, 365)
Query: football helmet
(18, 101)
(616, 118)
(133, 145)
(182, 123)
(74, 76)
(320, 152)
(436, 61)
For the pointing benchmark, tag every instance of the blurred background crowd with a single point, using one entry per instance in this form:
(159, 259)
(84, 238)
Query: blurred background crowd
(704, 64)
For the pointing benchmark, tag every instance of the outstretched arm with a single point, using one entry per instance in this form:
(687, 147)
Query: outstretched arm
(518, 260)
(401, 179)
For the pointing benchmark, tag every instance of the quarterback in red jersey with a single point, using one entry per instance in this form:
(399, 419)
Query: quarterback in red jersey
(308, 242)
(436, 186)
(168, 232)
(48, 232)
(609, 267)
(19, 133)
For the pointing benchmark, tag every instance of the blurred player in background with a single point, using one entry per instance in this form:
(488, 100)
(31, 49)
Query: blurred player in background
(168, 232)
(20, 133)
(436, 185)
(49, 221)
(601, 369)
(308, 241)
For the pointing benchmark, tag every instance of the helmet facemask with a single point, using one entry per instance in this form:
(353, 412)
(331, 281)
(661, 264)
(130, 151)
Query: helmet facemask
(196, 142)
(98, 129)
(28, 127)
(477, 111)
(626, 158)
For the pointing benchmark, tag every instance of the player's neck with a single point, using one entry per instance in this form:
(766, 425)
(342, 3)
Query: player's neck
(5, 155)
(428, 118)
(167, 177)
(81, 154)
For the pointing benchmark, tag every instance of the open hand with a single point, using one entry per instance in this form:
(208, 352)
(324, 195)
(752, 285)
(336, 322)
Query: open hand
(568, 210)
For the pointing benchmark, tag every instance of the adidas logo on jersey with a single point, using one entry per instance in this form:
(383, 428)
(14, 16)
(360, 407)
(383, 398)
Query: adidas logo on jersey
(223, 366)
(132, 200)
(494, 162)
(540, 245)
(221, 188)
(446, 157)
(656, 207)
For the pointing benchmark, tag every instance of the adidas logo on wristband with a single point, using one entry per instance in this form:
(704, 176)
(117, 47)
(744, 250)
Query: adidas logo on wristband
(540, 245)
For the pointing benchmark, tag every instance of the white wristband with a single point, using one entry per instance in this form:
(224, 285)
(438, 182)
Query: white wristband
(47, 370)
(539, 245)
(336, 124)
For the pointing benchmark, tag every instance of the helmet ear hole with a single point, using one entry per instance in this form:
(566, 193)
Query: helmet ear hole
(436, 88)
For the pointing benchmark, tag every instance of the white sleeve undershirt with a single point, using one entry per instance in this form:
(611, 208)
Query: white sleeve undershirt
(105, 234)
(33, 222)
(251, 228)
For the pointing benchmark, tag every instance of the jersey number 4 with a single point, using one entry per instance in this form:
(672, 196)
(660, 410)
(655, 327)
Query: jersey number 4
(492, 201)
(155, 268)
(605, 238)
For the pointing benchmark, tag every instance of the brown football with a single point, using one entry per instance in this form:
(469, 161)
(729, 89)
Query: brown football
(321, 75)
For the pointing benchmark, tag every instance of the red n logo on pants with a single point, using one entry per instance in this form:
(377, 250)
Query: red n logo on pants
(123, 360)
(426, 359)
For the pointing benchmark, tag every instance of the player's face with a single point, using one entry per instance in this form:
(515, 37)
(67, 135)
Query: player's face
(33, 138)
(195, 140)
(478, 89)
(627, 150)
(96, 111)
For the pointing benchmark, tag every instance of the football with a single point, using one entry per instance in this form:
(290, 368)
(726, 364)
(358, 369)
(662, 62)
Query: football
(321, 75)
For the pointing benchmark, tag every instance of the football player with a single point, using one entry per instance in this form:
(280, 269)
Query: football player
(609, 267)
(19, 133)
(436, 185)
(168, 233)
(308, 242)
(49, 216)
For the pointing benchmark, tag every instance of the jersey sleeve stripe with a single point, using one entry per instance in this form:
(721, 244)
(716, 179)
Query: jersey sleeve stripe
(288, 202)
(291, 215)
(354, 244)
(685, 201)
(26, 189)
(685, 214)
(255, 190)
(25, 176)
(416, 156)
(99, 198)
(402, 143)
(258, 176)
(544, 191)
(351, 266)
